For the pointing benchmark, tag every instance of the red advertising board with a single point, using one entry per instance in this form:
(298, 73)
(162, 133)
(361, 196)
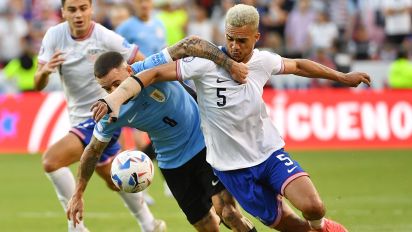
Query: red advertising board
(342, 118)
(29, 122)
(307, 119)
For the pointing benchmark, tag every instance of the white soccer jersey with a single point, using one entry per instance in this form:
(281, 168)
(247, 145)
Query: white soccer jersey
(76, 73)
(237, 129)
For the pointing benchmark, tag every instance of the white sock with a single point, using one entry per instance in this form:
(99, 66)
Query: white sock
(316, 224)
(64, 185)
(139, 209)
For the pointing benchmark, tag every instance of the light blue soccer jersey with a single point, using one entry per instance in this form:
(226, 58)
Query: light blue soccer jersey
(149, 36)
(167, 113)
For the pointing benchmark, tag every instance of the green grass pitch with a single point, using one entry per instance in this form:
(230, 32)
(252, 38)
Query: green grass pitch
(367, 191)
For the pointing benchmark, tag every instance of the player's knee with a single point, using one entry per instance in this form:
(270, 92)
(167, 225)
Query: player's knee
(48, 163)
(314, 209)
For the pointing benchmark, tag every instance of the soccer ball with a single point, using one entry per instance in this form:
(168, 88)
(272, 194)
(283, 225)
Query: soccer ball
(132, 171)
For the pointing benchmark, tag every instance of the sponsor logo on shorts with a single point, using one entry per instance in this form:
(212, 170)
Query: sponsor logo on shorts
(215, 182)
(291, 169)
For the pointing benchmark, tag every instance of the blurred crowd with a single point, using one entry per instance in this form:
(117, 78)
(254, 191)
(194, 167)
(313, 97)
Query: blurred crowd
(332, 32)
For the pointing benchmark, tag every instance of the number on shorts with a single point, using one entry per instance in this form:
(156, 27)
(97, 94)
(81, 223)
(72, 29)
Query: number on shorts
(282, 157)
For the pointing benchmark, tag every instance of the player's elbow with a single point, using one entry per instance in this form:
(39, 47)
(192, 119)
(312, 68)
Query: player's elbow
(300, 67)
(164, 73)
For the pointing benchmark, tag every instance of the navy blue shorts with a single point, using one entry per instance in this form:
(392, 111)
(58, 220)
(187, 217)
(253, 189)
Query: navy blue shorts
(259, 189)
(84, 131)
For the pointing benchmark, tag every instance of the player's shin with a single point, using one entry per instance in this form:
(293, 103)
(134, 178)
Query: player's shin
(64, 185)
(139, 209)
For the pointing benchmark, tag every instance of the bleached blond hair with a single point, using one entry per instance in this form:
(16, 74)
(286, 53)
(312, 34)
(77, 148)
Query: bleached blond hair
(241, 15)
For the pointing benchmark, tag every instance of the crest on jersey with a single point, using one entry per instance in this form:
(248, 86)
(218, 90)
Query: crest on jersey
(93, 53)
(188, 59)
(158, 96)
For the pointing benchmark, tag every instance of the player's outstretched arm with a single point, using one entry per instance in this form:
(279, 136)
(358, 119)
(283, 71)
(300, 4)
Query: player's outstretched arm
(131, 87)
(196, 46)
(88, 162)
(311, 69)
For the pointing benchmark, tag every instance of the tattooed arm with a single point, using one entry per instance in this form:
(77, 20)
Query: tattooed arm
(88, 163)
(196, 46)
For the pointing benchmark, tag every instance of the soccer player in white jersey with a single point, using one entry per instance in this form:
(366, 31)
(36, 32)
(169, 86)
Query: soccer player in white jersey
(243, 146)
(71, 48)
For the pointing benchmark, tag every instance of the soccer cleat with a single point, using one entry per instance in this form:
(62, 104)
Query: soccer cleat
(332, 226)
(160, 226)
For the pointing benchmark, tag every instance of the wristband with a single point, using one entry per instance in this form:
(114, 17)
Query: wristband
(138, 81)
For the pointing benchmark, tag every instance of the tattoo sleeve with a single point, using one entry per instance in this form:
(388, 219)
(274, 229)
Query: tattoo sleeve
(196, 46)
(89, 160)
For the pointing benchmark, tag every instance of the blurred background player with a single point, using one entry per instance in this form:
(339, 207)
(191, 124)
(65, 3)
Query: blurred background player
(71, 48)
(170, 116)
(174, 17)
(146, 31)
(23, 68)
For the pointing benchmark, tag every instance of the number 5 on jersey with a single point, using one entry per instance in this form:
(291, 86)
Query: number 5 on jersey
(221, 98)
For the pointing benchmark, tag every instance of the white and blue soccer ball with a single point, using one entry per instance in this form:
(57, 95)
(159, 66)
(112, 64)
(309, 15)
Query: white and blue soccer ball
(132, 171)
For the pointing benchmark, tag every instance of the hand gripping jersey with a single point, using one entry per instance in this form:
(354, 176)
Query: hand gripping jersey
(76, 73)
(238, 131)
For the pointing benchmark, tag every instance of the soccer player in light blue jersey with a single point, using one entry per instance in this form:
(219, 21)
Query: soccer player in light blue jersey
(144, 29)
(171, 117)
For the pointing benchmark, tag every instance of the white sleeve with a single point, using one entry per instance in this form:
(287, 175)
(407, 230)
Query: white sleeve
(48, 46)
(191, 68)
(115, 42)
(272, 63)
